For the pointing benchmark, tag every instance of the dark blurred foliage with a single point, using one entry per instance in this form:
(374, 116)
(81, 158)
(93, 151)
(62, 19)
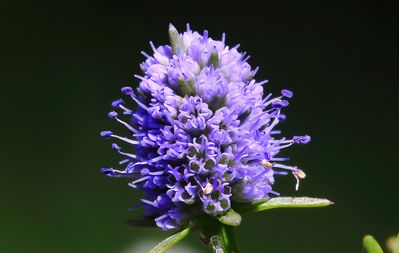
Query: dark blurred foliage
(62, 64)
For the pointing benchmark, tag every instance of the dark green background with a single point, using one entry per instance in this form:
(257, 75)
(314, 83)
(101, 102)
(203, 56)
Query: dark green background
(62, 64)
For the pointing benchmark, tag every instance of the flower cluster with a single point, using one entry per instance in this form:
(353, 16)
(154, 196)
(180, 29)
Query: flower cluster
(202, 135)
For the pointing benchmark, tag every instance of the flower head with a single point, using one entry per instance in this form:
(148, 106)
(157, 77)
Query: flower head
(202, 135)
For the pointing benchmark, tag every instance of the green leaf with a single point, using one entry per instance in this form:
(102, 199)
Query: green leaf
(371, 245)
(171, 240)
(228, 239)
(230, 218)
(175, 41)
(285, 202)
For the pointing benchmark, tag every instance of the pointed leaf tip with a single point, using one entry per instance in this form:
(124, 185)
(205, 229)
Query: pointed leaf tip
(230, 218)
(371, 245)
(166, 244)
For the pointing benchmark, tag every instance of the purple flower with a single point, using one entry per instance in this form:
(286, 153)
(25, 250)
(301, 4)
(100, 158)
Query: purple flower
(202, 136)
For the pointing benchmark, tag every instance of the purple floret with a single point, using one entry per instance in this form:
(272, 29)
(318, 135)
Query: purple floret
(202, 132)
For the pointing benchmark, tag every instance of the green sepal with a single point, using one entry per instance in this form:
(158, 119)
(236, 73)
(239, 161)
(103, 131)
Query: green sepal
(283, 202)
(214, 59)
(175, 41)
(371, 245)
(185, 88)
(231, 218)
(171, 240)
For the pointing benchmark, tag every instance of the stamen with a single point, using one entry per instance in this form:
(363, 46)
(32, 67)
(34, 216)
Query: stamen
(125, 139)
(281, 141)
(240, 154)
(279, 159)
(274, 100)
(246, 58)
(284, 146)
(160, 217)
(298, 174)
(114, 115)
(269, 128)
(145, 54)
(275, 193)
(255, 71)
(127, 125)
(148, 202)
(156, 159)
(124, 161)
(301, 139)
(106, 134)
(156, 173)
(138, 181)
(127, 90)
(280, 173)
(118, 102)
(205, 36)
(278, 103)
(287, 93)
(118, 149)
(140, 78)
(266, 98)
(281, 117)
(263, 82)
(153, 47)
(126, 110)
(282, 166)
(138, 101)
(207, 189)
(115, 173)
(267, 164)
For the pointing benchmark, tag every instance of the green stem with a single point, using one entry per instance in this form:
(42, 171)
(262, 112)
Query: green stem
(228, 239)
(224, 241)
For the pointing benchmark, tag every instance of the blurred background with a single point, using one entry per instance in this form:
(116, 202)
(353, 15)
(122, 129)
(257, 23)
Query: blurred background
(62, 63)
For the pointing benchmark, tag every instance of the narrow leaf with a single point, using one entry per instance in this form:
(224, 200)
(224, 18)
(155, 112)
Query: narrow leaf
(230, 218)
(371, 245)
(286, 202)
(171, 240)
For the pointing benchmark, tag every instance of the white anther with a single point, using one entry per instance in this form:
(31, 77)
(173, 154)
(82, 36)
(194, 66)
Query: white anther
(267, 164)
(207, 189)
(298, 174)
